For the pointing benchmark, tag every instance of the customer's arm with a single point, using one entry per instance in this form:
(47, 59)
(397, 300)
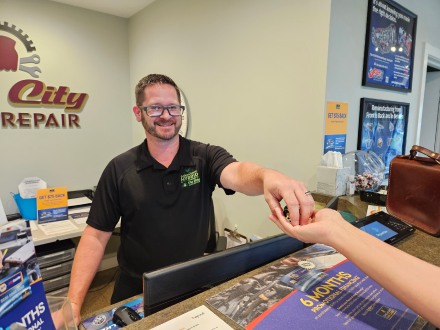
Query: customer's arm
(413, 281)
(252, 179)
(85, 265)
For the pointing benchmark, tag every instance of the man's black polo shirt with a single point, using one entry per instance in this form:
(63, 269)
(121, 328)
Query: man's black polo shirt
(165, 211)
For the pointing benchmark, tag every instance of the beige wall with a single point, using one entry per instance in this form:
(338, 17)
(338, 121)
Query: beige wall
(253, 73)
(428, 130)
(88, 52)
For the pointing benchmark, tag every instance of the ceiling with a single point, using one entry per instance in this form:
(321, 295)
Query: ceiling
(125, 8)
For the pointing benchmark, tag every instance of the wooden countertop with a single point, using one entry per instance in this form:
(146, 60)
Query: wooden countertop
(419, 244)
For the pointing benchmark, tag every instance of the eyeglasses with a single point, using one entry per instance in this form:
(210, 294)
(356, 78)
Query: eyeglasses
(157, 111)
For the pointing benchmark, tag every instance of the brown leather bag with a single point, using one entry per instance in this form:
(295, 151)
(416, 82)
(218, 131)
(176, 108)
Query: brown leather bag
(414, 190)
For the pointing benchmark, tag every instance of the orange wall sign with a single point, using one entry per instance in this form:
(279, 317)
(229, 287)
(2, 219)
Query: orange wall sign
(335, 135)
(52, 204)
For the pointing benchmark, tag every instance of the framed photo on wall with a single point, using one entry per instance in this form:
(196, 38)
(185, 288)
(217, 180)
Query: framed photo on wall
(390, 41)
(382, 128)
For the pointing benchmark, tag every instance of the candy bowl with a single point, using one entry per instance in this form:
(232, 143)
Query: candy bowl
(366, 167)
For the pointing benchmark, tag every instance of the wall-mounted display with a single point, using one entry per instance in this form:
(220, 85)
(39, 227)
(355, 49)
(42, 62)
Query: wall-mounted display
(382, 128)
(389, 46)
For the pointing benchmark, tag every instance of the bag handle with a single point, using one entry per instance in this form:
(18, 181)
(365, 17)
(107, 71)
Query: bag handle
(424, 151)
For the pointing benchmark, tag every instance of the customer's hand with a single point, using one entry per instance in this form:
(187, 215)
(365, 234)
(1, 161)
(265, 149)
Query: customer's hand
(322, 227)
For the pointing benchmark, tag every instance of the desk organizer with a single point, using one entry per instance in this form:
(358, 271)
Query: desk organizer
(27, 207)
(61, 308)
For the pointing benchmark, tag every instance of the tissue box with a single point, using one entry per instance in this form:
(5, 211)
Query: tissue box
(332, 181)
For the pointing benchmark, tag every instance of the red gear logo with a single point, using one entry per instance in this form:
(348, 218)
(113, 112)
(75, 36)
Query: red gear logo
(9, 56)
(38, 94)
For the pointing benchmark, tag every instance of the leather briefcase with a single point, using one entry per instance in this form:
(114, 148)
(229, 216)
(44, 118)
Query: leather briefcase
(413, 190)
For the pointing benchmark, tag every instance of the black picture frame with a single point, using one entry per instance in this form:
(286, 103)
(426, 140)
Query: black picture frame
(374, 128)
(380, 63)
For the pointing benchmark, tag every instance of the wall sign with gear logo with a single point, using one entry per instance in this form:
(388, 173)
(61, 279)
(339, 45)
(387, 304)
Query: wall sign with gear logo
(33, 92)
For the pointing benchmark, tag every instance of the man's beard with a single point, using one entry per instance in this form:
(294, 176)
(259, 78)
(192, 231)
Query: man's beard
(151, 128)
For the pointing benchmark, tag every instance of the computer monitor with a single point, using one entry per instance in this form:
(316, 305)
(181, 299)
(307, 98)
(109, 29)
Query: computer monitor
(333, 204)
(170, 285)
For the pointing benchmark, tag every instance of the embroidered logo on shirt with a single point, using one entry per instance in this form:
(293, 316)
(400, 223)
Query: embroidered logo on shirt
(189, 179)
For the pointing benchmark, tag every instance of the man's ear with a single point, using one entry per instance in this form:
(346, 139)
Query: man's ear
(137, 113)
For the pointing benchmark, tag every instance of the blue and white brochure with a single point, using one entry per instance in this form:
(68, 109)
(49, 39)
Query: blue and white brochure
(22, 298)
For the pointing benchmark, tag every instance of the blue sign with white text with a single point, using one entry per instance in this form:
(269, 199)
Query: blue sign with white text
(335, 143)
(49, 215)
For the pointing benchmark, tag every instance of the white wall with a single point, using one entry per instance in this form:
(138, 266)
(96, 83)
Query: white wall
(253, 73)
(346, 53)
(430, 110)
(88, 52)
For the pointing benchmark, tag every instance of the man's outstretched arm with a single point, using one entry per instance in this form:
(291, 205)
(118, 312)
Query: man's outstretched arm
(252, 179)
(88, 256)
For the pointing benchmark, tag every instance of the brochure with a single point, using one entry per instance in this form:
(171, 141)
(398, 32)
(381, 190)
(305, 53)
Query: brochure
(22, 298)
(104, 320)
(52, 204)
(316, 288)
(200, 318)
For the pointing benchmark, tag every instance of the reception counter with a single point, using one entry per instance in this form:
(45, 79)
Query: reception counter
(419, 244)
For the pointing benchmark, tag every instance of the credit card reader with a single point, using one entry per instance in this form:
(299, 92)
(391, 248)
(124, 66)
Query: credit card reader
(384, 227)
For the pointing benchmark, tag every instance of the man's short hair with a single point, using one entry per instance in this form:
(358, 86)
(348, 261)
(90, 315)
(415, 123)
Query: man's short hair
(153, 79)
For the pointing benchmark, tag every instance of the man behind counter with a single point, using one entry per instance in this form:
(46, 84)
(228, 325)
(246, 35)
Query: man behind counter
(164, 220)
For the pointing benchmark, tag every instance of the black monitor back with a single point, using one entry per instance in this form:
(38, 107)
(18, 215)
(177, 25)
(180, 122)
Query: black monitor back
(333, 204)
(168, 286)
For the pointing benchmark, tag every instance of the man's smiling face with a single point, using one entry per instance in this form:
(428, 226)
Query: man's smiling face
(165, 127)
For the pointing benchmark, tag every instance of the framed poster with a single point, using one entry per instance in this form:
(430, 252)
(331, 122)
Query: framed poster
(382, 128)
(390, 41)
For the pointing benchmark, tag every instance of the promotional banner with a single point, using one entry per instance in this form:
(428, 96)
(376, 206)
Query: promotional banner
(389, 49)
(23, 303)
(382, 128)
(335, 127)
(317, 289)
(52, 204)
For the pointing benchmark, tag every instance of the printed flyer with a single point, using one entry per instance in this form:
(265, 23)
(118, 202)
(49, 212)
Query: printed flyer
(52, 204)
(317, 288)
(335, 127)
(23, 303)
(200, 318)
(104, 320)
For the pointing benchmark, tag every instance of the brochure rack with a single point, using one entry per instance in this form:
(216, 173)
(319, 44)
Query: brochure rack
(62, 313)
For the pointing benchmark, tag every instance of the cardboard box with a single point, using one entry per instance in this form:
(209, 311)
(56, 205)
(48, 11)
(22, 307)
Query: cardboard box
(332, 181)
